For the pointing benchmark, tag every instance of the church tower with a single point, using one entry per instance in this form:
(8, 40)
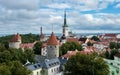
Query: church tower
(65, 26)
(52, 47)
(42, 36)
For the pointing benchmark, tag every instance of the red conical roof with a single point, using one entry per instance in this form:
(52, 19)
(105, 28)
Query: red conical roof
(52, 40)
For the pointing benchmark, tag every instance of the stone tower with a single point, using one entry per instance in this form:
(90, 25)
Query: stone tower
(52, 47)
(15, 41)
(65, 26)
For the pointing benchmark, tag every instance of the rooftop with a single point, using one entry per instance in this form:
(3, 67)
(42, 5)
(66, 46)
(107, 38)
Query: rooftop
(52, 40)
(15, 38)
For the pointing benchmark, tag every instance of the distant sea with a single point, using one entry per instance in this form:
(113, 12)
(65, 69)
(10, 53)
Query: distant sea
(4, 35)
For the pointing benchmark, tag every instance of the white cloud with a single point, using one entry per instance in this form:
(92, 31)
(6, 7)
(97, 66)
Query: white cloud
(21, 16)
(20, 4)
(60, 6)
(117, 6)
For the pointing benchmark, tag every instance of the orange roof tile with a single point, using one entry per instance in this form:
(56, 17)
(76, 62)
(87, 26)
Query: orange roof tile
(15, 38)
(52, 40)
(72, 40)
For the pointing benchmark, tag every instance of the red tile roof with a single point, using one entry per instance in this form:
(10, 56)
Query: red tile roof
(52, 40)
(15, 38)
(110, 35)
(70, 53)
(28, 45)
(72, 40)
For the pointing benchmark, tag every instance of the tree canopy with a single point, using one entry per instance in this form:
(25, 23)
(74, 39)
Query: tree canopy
(13, 68)
(26, 38)
(114, 45)
(69, 46)
(110, 55)
(89, 44)
(12, 61)
(17, 55)
(37, 48)
(95, 38)
(81, 64)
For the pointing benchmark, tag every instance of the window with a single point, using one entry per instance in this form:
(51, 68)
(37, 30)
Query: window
(50, 46)
(57, 69)
(37, 73)
(51, 70)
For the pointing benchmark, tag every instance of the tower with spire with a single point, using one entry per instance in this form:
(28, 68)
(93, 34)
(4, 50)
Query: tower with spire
(42, 36)
(65, 26)
(52, 47)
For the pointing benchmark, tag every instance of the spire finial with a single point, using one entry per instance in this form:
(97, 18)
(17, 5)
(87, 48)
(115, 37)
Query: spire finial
(64, 17)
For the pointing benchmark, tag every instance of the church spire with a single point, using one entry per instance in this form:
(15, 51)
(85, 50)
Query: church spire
(41, 30)
(65, 21)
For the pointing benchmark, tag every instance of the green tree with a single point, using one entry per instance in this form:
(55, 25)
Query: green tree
(26, 38)
(89, 44)
(95, 38)
(118, 45)
(37, 48)
(4, 70)
(69, 46)
(2, 48)
(17, 68)
(30, 55)
(18, 55)
(113, 52)
(5, 56)
(112, 45)
(81, 64)
(107, 55)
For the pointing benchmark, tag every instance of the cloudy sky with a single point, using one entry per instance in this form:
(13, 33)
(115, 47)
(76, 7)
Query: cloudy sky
(83, 16)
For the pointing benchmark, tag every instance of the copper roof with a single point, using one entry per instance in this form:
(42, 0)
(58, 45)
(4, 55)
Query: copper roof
(52, 40)
(15, 38)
